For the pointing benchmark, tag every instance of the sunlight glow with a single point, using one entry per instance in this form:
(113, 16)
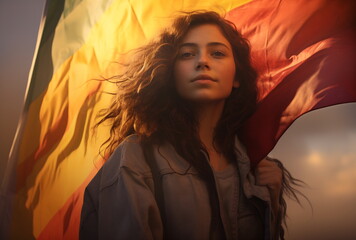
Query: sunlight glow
(315, 159)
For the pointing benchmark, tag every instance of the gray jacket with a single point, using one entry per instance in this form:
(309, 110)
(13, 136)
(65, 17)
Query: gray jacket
(119, 202)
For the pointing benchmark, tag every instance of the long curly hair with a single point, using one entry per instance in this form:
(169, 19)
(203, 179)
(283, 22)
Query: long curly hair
(148, 104)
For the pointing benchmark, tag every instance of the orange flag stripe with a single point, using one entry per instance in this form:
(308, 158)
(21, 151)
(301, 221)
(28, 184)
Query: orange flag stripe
(64, 224)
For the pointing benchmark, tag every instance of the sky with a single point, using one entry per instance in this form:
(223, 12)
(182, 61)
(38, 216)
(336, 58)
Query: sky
(319, 148)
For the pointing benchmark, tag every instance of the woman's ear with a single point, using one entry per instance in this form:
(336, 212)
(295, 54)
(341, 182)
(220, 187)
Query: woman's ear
(236, 83)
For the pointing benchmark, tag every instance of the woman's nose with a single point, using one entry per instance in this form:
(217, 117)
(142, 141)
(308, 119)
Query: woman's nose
(202, 62)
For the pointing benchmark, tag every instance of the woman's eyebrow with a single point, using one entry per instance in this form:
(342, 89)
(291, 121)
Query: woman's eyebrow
(190, 44)
(218, 44)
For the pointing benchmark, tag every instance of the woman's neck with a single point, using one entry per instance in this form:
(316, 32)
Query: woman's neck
(208, 116)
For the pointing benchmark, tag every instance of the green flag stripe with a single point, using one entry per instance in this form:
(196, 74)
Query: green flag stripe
(68, 25)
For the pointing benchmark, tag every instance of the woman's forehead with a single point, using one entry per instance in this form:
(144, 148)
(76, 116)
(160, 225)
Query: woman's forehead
(204, 34)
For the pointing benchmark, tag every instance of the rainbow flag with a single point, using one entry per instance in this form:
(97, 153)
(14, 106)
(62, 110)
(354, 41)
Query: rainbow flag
(304, 51)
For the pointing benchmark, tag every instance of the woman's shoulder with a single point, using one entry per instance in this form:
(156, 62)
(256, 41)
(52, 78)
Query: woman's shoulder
(128, 154)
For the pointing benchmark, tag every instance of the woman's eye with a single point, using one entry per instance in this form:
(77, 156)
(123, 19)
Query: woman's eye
(218, 54)
(186, 55)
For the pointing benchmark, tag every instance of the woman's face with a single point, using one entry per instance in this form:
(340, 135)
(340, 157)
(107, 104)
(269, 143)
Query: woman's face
(205, 68)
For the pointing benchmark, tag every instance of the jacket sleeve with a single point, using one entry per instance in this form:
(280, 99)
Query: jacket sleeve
(89, 215)
(119, 203)
(128, 209)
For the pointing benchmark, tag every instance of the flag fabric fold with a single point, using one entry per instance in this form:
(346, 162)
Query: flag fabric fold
(303, 51)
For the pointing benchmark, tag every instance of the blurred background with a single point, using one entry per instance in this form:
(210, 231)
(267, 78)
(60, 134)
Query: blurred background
(319, 148)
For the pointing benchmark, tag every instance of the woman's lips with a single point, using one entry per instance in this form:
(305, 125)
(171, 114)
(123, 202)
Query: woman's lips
(203, 77)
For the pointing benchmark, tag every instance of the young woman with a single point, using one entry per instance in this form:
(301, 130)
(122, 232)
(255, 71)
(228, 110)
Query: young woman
(177, 168)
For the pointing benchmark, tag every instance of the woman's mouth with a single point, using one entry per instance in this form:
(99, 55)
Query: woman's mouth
(203, 77)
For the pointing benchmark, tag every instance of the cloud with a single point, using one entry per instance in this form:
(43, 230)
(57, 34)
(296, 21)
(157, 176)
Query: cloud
(320, 149)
